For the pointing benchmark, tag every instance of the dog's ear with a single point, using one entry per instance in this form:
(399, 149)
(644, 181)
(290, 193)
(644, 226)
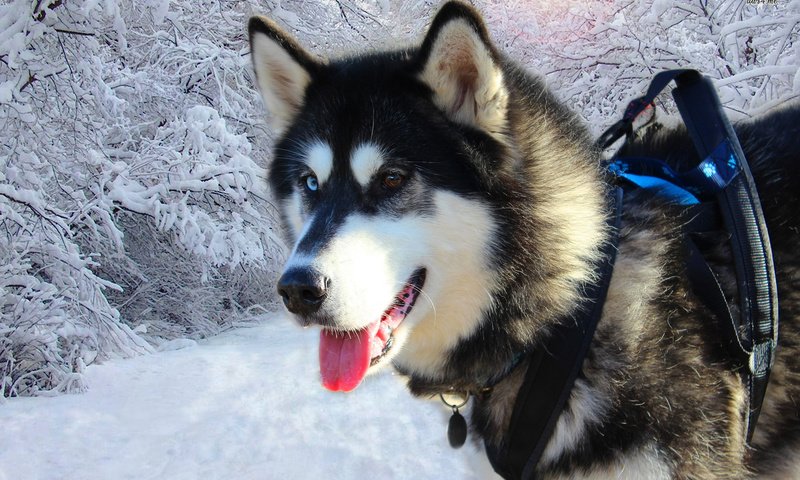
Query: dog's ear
(459, 63)
(283, 69)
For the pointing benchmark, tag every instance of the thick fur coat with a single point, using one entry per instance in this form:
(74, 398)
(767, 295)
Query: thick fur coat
(452, 175)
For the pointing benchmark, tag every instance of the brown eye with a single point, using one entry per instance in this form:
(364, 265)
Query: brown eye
(393, 180)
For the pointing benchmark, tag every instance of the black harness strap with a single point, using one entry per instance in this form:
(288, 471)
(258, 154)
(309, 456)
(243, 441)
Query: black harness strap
(753, 336)
(744, 219)
(705, 285)
(552, 372)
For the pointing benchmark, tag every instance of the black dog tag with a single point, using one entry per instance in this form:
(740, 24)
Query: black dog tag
(457, 430)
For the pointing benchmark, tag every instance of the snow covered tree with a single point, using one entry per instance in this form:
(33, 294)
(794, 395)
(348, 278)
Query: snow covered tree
(599, 55)
(132, 210)
(133, 145)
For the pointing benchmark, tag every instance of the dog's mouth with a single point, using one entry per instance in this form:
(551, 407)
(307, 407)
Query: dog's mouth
(345, 356)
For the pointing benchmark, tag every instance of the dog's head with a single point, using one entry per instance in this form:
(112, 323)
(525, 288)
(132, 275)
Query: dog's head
(381, 171)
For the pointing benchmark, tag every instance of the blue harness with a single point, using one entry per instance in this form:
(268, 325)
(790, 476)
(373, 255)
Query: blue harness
(698, 184)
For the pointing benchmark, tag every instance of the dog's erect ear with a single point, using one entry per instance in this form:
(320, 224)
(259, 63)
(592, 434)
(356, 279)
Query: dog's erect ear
(460, 65)
(283, 69)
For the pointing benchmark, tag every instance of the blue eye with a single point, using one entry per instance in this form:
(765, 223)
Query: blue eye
(311, 183)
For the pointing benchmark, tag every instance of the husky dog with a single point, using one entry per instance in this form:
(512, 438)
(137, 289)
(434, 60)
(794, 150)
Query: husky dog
(446, 211)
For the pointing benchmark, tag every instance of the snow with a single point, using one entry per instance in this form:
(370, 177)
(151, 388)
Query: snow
(135, 220)
(246, 404)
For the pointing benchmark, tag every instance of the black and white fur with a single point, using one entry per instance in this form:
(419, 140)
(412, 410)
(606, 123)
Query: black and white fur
(501, 202)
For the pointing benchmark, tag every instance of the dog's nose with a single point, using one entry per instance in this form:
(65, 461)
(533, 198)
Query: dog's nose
(303, 290)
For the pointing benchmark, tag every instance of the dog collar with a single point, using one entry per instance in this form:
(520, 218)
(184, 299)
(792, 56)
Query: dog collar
(457, 426)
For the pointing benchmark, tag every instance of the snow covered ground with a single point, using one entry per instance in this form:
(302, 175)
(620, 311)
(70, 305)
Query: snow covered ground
(246, 404)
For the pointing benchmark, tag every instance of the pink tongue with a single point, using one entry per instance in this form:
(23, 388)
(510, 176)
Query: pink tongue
(344, 358)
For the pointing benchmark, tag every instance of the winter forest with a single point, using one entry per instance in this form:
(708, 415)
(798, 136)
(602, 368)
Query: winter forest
(134, 215)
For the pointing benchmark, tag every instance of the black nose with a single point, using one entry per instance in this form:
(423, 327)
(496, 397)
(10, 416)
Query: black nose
(303, 290)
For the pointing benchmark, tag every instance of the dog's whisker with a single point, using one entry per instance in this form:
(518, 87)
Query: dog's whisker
(427, 297)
